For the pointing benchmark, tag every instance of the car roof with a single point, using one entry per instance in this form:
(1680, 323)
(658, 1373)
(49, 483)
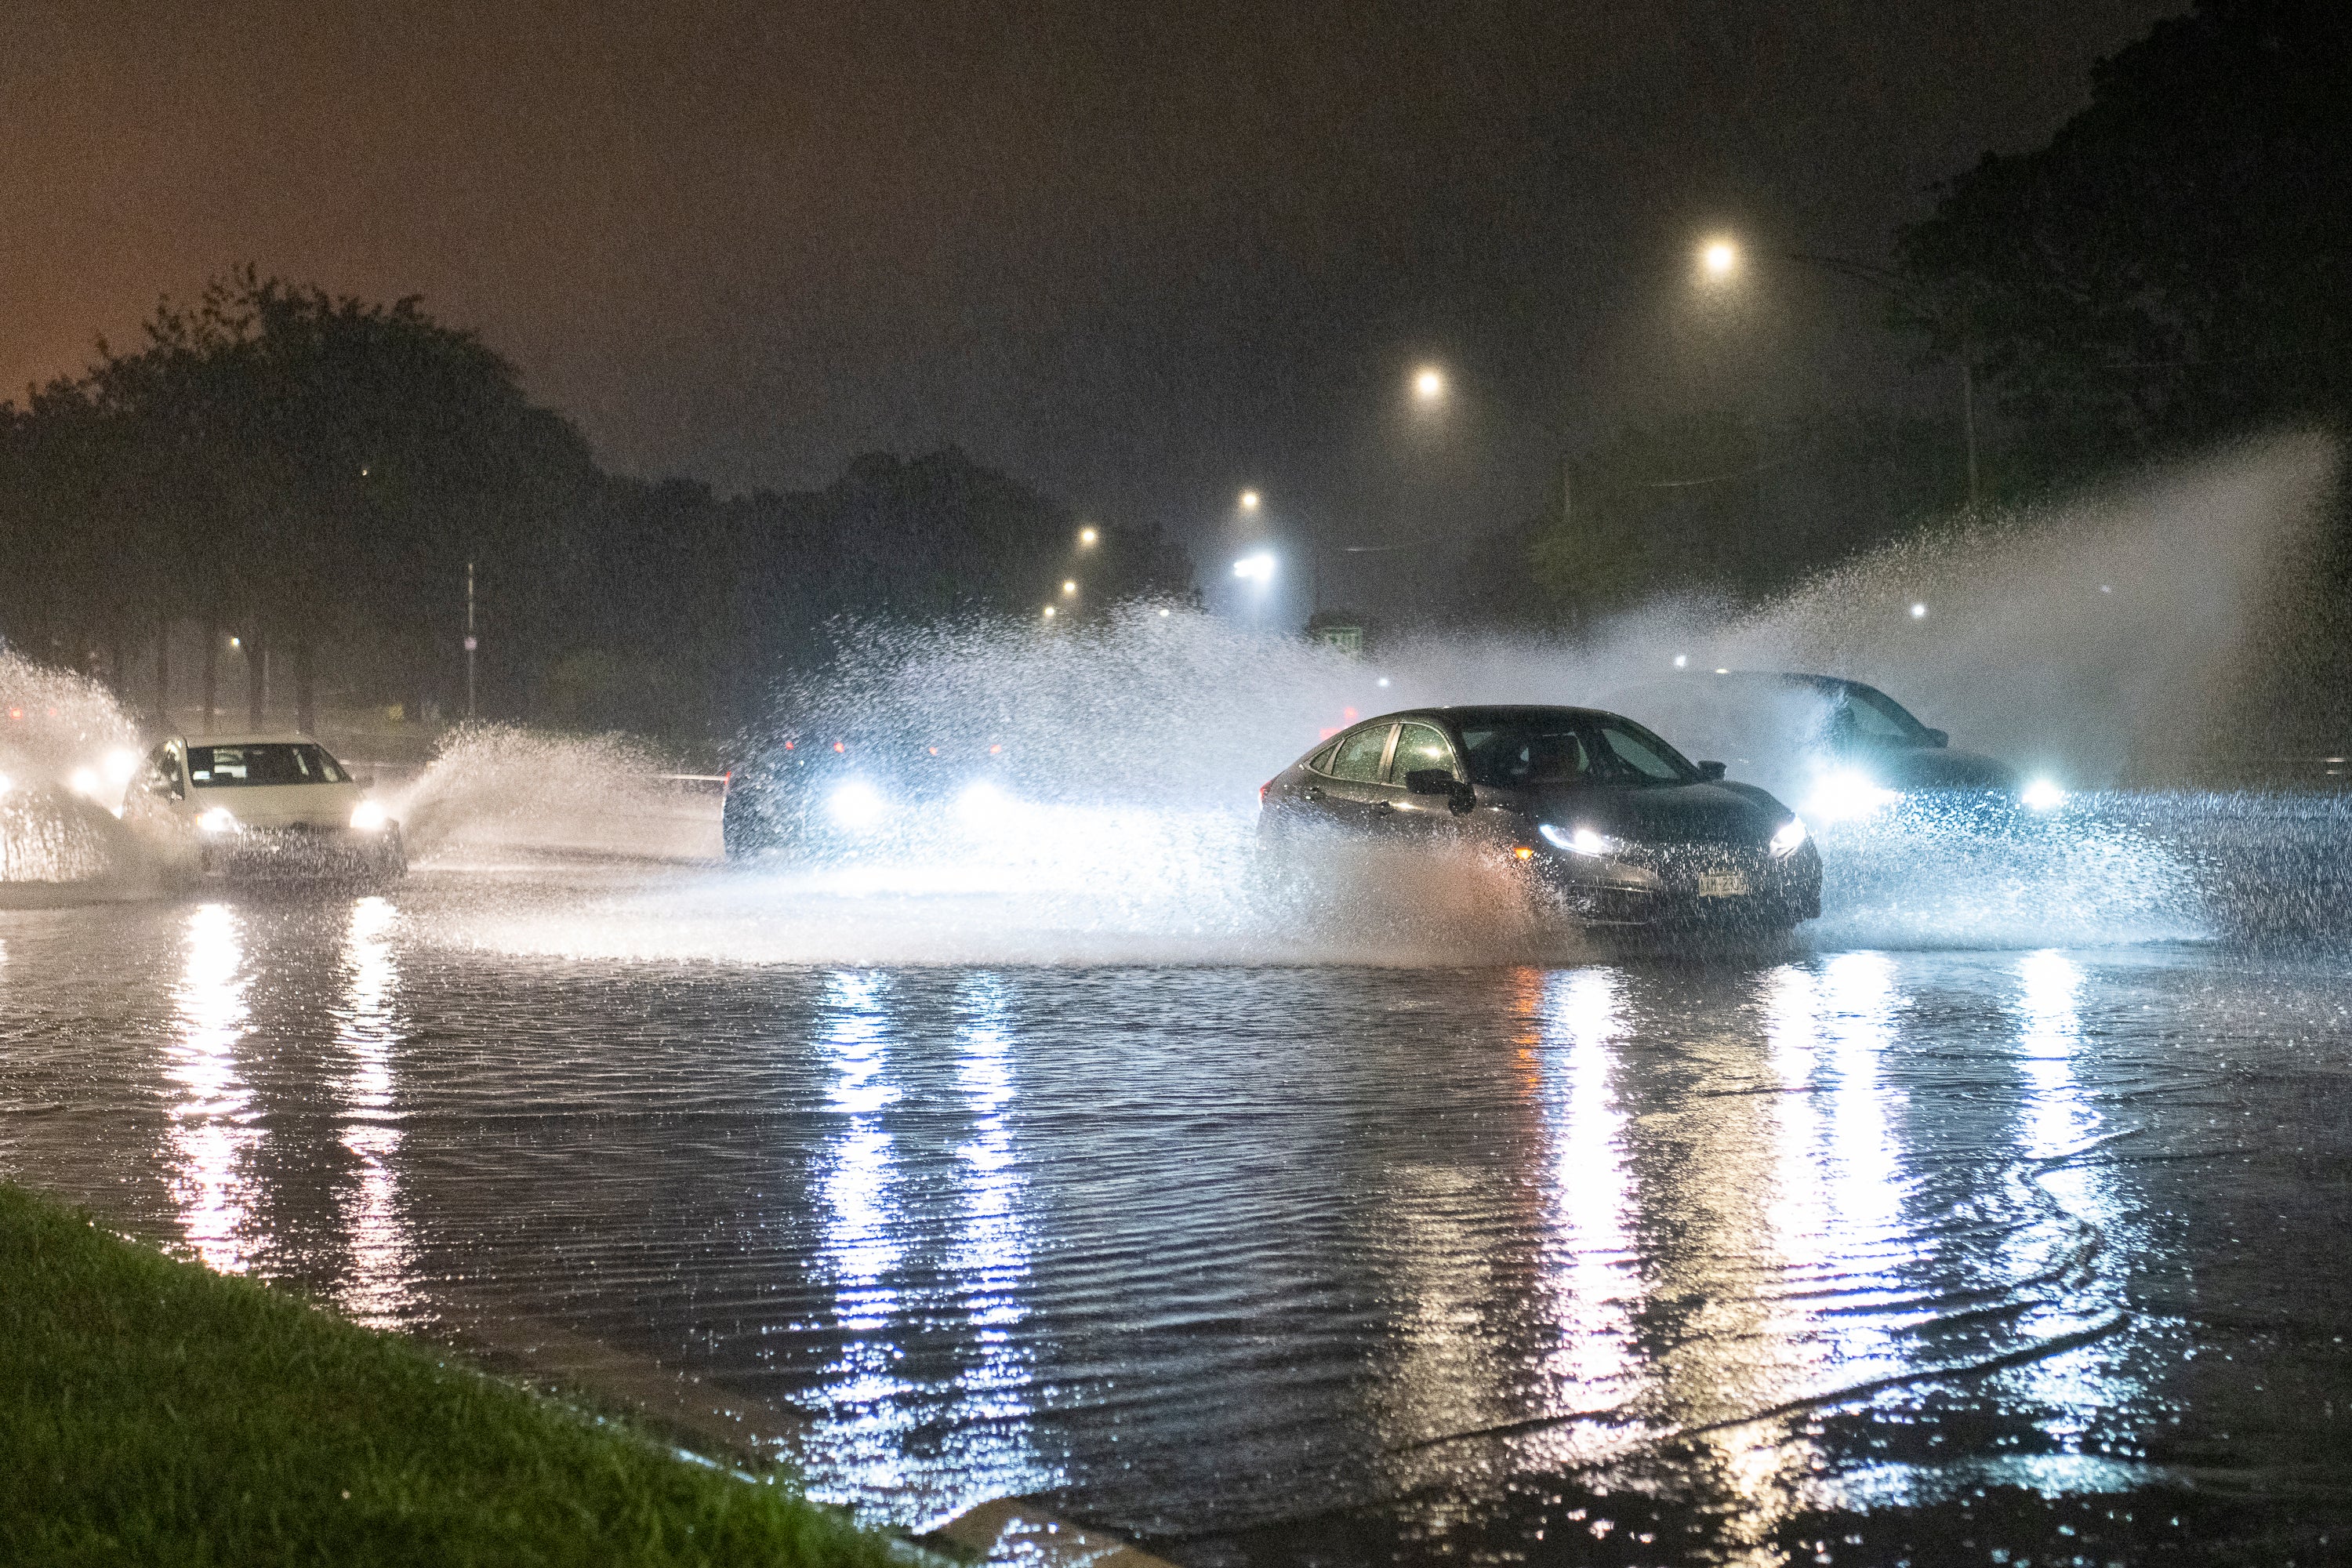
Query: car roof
(251, 738)
(1779, 677)
(1460, 711)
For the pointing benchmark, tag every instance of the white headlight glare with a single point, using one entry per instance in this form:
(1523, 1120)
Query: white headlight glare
(2041, 794)
(857, 805)
(85, 782)
(1847, 794)
(367, 816)
(1790, 834)
(1578, 841)
(981, 800)
(219, 819)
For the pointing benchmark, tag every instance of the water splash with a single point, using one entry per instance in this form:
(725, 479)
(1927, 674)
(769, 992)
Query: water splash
(495, 791)
(64, 741)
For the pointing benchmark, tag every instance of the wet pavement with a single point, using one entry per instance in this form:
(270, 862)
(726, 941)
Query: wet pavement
(1829, 1253)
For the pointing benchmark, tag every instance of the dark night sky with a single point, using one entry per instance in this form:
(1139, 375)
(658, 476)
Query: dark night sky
(1138, 255)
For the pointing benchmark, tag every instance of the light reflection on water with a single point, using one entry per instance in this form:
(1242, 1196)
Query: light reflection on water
(1207, 1250)
(378, 1288)
(865, 1408)
(214, 1133)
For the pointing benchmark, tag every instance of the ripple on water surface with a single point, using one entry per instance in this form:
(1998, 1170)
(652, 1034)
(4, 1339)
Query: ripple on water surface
(1269, 1262)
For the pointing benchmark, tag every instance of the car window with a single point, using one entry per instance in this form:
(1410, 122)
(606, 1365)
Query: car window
(1358, 758)
(1871, 715)
(1321, 760)
(1643, 757)
(1511, 756)
(1420, 746)
(272, 762)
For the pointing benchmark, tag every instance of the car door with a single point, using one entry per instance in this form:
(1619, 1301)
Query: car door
(1418, 746)
(1347, 796)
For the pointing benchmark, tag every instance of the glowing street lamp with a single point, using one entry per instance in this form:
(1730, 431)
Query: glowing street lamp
(1719, 259)
(1428, 384)
(1049, 612)
(1087, 538)
(1250, 500)
(1070, 588)
(1919, 612)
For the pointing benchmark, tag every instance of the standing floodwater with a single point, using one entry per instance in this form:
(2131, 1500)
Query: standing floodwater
(2028, 1249)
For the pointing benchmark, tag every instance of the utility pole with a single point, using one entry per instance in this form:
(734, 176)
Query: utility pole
(470, 639)
(1888, 279)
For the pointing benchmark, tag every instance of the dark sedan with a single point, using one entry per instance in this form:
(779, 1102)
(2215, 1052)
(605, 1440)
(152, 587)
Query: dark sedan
(1620, 825)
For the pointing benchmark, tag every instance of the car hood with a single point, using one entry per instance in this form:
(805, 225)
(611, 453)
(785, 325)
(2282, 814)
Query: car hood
(1662, 813)
(1934, 767)
(282, 805)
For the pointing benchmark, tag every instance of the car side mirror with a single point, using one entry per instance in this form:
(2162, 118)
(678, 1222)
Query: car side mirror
(1710, 770)
(1459, 796)
(1939, 739)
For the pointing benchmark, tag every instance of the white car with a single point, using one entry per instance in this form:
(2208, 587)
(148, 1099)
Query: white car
(265, 806)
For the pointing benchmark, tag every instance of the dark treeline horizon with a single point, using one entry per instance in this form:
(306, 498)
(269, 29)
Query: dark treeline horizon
(276, 481)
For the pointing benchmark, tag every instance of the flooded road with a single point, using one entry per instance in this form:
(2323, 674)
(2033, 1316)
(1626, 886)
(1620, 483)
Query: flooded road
(1832, 1254)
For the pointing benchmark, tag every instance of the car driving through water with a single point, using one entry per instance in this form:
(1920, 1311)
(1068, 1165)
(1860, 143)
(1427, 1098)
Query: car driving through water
(1616, 824)
(267, 806)
(829, 799)
(1837, 747)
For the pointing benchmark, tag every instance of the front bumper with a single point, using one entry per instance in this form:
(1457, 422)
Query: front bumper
(1687, 885)
(302, 854)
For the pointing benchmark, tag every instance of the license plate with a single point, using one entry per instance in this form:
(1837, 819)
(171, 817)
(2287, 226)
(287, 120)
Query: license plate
(1722, 885)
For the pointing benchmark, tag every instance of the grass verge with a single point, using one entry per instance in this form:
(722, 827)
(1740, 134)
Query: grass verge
(154, 1412)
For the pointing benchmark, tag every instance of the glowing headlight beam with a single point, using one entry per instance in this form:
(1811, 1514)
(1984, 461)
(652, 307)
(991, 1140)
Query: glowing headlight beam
(1578, 841)
(1841, 796)
(857, 806)
(368, 816)
(218, 820)
(2041, 794)
(1791, 834)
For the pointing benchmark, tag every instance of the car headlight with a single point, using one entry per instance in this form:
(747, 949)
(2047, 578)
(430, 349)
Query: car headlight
(219, 819)
(1847, 794)
(857, 806)
(1580, 840)
(367, 816)
(1790, 834)
(2041, 794)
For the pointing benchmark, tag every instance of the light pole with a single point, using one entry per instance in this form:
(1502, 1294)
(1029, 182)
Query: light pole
(470, 642)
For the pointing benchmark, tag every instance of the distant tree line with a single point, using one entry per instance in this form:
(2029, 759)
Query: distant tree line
(280, 484)
(2173, 269)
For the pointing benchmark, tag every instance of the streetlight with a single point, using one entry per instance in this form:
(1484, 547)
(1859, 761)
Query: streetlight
(1429, 384)
(1086, 538)
(1719, 258)
(1250, 500)
(1070, 588)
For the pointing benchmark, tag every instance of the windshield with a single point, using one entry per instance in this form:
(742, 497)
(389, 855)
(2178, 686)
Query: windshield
(1518, 751)
(275, 762)
(1870, 715)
